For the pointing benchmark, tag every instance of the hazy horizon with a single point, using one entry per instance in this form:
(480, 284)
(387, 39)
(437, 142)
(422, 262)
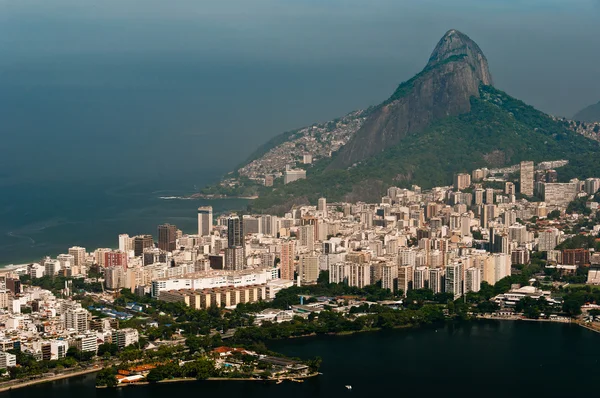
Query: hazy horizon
(185, 72)
(141, 96)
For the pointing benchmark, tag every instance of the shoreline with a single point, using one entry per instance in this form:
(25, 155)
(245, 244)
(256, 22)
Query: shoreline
(588, 327)
(12, 267)
(23, 384)
(49, 379)
(190, 379)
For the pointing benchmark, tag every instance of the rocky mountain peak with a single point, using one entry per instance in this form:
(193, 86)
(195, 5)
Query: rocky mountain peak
(455, 45)
(453, 74)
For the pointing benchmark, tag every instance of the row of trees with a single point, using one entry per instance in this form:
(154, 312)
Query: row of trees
(199, 369)
(326, 322)
(28, 366)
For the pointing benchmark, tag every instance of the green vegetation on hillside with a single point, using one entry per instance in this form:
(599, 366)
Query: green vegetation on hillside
(498, 131)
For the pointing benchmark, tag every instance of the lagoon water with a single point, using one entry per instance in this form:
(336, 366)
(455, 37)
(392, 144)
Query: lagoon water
(106, 105)
(488, 358)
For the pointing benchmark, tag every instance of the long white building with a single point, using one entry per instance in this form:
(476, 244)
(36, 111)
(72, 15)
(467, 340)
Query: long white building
(212, 279)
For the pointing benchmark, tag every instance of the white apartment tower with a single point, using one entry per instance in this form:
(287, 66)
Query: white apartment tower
(78, 254)
(436, 280)
(526, 178)
(77, 319)
(125, 243)
(205, 220)
(472, 280)
(322, 206)
(454, 279)
(421, 278)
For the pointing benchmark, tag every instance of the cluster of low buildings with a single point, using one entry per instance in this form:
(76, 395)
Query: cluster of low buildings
(37, 322)
(303, 147)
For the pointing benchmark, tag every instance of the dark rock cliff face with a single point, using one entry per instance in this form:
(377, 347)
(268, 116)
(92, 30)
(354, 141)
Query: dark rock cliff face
(453, 74)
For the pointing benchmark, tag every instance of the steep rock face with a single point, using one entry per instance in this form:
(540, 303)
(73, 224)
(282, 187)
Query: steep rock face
(456, 69)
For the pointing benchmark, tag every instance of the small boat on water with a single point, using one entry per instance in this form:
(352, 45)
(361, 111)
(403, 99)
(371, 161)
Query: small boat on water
(349, 387)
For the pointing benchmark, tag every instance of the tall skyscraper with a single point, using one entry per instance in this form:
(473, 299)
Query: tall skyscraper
(436, 279)
(286, 263)
(405, 278)
(235, 232)
(527, 178)
(205, 220)
(322, 206)
(454, 279)
(141, 242)
(167, 237)
(421, 279)
(472, 280)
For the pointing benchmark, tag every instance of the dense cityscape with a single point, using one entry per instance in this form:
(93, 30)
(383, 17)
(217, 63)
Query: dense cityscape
(507, 243)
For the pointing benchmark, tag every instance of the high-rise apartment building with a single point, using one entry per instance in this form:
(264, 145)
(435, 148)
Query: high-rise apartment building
(489, 196)
(509, 188)
(479, 196)
(454, 279)
(115, 258)
(548, 239)
(167, 237)
(78, 254)
(205, 220)
(142, 242)
(389, 276)
(592, 185)
(307, 236)
(286, 258)
(405, 278)
(308, 269)
(526, 178)
(472, 280)
(322, 206)
(462, 181)
(234, 258)
(125, 243)
(421, 278)
(235, 232)
(436, 280)
(77, 319)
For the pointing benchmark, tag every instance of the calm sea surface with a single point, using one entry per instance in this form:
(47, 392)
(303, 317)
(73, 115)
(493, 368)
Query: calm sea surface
(106, 105)
(47, 218)
(491, 359)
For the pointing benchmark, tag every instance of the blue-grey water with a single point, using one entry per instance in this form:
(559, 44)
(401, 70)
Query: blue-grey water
(491, 359)
(104, 103)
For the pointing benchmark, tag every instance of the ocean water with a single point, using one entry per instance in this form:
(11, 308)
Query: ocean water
(491, 359)
(48, 218)
(104, 105)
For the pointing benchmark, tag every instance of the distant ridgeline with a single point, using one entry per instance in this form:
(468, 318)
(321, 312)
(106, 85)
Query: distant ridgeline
(447, 119)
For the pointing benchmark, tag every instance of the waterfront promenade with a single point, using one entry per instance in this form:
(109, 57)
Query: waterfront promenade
(14, 384)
